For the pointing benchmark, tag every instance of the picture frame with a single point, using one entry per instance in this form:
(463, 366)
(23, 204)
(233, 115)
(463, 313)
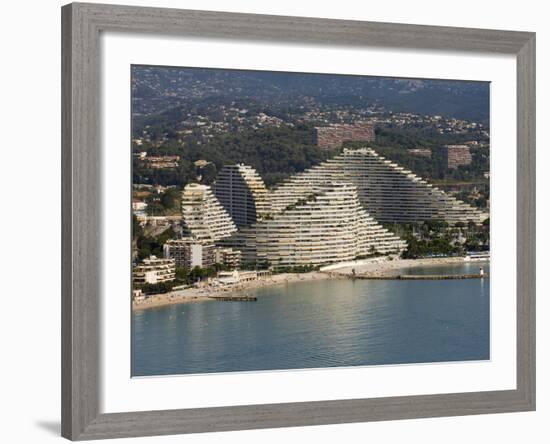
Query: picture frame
(82, 24)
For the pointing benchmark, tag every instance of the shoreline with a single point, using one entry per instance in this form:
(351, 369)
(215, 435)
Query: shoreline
(387, 267)
(210, 293)
(377, 267)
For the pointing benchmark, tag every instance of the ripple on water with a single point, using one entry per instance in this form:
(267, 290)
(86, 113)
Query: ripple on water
(319, 324)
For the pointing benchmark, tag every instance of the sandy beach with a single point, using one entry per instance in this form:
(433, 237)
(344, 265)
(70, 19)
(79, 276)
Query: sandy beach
(374, 267)
(209, 293)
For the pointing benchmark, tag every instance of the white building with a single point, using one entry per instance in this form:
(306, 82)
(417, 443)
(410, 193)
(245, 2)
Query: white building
(155, 270)
(139, 208)
(389, 192)
(328, 225)
(203, 218)
(236, 276)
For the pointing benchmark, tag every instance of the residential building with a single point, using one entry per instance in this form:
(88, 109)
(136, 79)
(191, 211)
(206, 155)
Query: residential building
(154, 270)
(242, 193)
(228, 257)
(457, 155)
(188, 253)
(203, 218)
(333, 136)
(139, 207)
(420, 152)
(328, 225)
(389, 192)
(159, 162)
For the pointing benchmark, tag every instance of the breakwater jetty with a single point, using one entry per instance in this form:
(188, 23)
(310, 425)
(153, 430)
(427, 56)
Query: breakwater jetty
(229, 298)
(421, 277)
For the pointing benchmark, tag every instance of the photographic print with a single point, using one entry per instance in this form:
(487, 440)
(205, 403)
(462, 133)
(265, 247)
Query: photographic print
(286, 221)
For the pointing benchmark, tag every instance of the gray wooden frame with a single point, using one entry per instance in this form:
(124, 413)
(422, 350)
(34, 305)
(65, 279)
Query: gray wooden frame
(81, 231)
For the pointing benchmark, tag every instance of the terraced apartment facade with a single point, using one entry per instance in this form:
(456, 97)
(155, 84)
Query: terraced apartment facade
(389, 192)
(328, 225)
(329, 213)
(203, 218)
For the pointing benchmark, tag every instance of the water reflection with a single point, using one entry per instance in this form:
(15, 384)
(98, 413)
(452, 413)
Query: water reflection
(319, 324)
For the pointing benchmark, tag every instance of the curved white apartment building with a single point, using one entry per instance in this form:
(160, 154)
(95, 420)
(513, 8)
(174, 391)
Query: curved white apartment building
(388, 191)
(203, 218)
(242, 193)
(328, 225)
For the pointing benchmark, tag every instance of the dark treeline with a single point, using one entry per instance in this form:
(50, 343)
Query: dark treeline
(394, 143)
(275, 152)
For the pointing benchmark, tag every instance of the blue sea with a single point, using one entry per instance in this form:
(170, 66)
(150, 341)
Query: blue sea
(330, 323)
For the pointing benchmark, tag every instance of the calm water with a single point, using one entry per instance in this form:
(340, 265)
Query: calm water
(320, 324)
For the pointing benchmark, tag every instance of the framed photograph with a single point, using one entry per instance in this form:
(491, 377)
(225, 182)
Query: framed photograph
(278, 221)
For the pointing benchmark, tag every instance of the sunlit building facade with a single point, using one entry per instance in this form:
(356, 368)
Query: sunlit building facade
(389, 192)
(203, 217)
(154, 270)
(328, 225)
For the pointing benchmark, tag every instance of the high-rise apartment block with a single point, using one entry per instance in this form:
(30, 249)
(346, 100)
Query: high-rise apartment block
(457, 155)
(389, 192)
(242, 193)
(327, 225)
(329, 213)
(333, 136)
(203, 218)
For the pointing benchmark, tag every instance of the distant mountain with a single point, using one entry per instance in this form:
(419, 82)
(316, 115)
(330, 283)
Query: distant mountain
(157, 89)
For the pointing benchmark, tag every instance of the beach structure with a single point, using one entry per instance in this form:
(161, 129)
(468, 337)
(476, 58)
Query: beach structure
(333, 136)
(228, 277)
(154, 270)
(389, 192)
(138, 295)
(327, 225)
(236, 276)
(242, 193)
(203, 217)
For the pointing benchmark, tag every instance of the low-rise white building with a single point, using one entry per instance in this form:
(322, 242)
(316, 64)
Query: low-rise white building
(155, 270)
(236, 276)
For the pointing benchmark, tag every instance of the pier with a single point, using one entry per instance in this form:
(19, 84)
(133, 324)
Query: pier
(422, 277)
(230, 298)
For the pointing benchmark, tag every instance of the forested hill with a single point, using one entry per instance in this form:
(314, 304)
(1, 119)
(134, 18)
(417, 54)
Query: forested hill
(158, 89)
(276, 153)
